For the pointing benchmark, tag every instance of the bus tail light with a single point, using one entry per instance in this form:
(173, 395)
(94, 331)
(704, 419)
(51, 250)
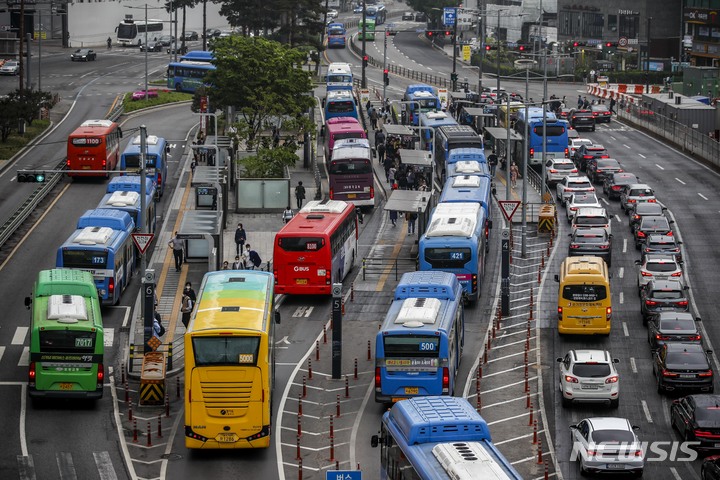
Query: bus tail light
(560, 311)
(474, 283)
(532, 152)
(372, 192)
(378, 381)
(328, 275)
(608, 313)
(160, 179)
(111, 286)
(567, 153)
(104, 164)
(275, 275)
(100, 375)
(67, 163)
(31, 375)
(332, 194)
(446, 381)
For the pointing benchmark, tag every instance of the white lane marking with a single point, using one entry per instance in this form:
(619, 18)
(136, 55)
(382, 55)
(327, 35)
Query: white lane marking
(283, 340)
(109, 334)
(621, 272)
(23, 411)
(641, 155)
(659, 166)
(19, 337)
(624, 249)
(646, 410)
(104, 466)
(626, 146)
(680, 181)
(675, 473)
(625, 329)
(702, 196)
(633, 365)
(2, 351)
(622, 298)
(308, 312)
(66, 465)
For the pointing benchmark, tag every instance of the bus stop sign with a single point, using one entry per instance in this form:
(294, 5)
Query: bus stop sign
(343, 475)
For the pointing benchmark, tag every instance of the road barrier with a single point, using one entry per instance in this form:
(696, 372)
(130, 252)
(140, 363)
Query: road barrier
(152, 379)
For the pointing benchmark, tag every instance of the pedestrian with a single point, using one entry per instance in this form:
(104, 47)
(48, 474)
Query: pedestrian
(379, 137)
(236, 265)
(393, 217)
(612, 106)
(580, 101)
(240, 239)
(190, 292)
(374, 118)
(410, 180)
(299, 194)
(411, 217)
(514, 174)
(109, 43)
(177, 246)
(193, 164)
(225, 265)
(492, 162)
(391, 175)
(158, 329)
(186, 307)
(381, 152)
(368, 106)
(288, 214)
(254, 258)
(387, 165)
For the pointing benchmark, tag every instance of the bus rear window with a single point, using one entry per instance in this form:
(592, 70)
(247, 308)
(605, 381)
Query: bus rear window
(359, 167)
(341, 107)
(343, 136)
(67, 341)
(411, 346)
(84, 258)
(584, 293)
(225, 350)
(447, 257)
(132, 160)
(87, 141)
(301, 244)
(552, 131)
(427, 103)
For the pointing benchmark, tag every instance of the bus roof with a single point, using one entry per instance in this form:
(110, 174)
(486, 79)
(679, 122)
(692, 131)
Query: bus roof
(198, 56)
(96, 237)
(440, 285)
(65, 281)
(467, 167)
(106, 217)
(335, 128)
(233, 300)
(467, 188)
(123, 199)
(436, 119)
(466, 154)
(535, 113)
(333, 95)
(150, 141)
(339, 67)
(94, 127)
(129, 183)
(418, 87)
(336, 120)
(435, 419)
(317, 217)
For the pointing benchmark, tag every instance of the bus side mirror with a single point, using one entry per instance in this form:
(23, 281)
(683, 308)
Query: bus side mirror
(557, 278)
(120, 132)
(374, 441)
(28, 302)
(277, 316)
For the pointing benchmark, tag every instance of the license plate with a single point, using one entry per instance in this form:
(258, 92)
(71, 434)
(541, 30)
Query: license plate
(590, 387)
(352, 195)
(584, 321)
(86, 167)
(615, 466)
(717, 445)
(66, 386)
(226, 438)
(687, 375)
(301, 281)
(411, 390)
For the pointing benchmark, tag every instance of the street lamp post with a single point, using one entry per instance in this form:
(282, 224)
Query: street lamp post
(647, 58)
(481, 39)
(454, 46)
(364, 29)
(497, 72)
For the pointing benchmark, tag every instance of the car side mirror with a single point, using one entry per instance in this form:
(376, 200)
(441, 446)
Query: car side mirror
(698, 319)
(709, 352)
(557, 278)
(374, 441)
(573, 427)
(685, 287)
(638, 262)
(671, 222)
(28, 302)
(610, 236)
(676, 401)
(679, 243)
(616, 360)
(559, 359)
(635, 427)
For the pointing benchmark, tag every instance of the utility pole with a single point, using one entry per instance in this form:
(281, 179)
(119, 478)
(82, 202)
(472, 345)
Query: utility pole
(544, 106)
(647, 58)
(385, 71)
(21, 60)
(497, 57)
(481, 39)
(526, 130)
(363, 84)
(454, 75)
(146, 55)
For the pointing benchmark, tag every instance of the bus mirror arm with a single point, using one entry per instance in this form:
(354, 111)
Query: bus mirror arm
(374, 441)
(28, 302)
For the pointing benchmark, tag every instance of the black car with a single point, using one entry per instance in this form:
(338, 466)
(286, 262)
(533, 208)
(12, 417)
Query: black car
(83, 55)
(697, 418)
(601, 113)
(683, 366)
(662, 244)
(586, 152)
(212, 32)
(591, 241)
(582, 119)
(598, 169)
(663, 296)
(408, 16)
(191, 35)
(668, 327)
(710, 469)
(166, 40)
(420, 17)
(651, 225)
(613, 184)
(152, 46)
(639, 210)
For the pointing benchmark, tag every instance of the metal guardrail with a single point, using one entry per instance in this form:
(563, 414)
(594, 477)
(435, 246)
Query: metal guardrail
(385, 265)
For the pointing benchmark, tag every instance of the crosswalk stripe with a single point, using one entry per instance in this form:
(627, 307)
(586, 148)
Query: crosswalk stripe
(105, 467)
(66, 466)
(26, 467)
(109, 334)
(24, 358)
(2, 351)
(19, 337)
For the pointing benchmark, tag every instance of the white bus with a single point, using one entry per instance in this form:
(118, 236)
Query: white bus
(132, 32)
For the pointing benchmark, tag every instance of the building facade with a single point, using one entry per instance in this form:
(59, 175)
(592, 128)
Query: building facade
(701, 33)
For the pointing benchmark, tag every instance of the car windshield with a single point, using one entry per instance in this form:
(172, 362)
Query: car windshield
(581, 184)
(608, 164)
(707, 412)
(590, 221)
(661, 266)
(594, 239)
(687, 358)
(667, 294)
(612, 436)
(599, 108)
(591, 370)
(678, 324)
(584, 200)
(662, 246)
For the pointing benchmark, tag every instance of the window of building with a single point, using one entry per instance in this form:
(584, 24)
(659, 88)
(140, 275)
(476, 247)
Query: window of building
(629, 26)
(612, 23)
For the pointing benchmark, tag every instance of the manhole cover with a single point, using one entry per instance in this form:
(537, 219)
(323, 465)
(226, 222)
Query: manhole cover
(171, 456)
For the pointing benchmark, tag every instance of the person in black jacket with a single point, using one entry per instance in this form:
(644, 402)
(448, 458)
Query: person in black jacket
(240, 239)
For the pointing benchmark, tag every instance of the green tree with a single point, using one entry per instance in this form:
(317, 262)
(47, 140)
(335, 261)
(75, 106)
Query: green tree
(29, 103)
(269, 162)
(251, 16)
(10, 113)
(261, 79)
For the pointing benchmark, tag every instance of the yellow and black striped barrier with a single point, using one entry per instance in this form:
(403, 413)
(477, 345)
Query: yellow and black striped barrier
(546, 219)
(152, 379)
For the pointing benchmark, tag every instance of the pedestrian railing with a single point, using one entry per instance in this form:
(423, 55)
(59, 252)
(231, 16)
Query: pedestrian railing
(376, 266)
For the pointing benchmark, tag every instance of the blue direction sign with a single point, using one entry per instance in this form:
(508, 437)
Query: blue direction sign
(343, 475)
(449, 16)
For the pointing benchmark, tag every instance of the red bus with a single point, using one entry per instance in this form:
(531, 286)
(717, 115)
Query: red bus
(339, 128)
(316, 248)
(94, 146)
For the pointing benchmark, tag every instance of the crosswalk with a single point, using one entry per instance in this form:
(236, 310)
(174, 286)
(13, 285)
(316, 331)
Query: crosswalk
(21, 356)
(65, 463)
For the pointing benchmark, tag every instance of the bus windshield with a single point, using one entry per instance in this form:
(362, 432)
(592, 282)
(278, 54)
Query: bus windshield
(428, 103)
(412, 346)
(336, 31)
(226, 350)
(301, 244)
(339, 78)
(84, 258)
(67, 341)
(132, 160)
(584, 293)
(552, 130)
(125, 30)
(345, 167)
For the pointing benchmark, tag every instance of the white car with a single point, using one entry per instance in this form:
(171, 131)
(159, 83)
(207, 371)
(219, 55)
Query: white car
(591, 217)
(580, 200)
(589, 376)
(607, 444)
(574, 143)
(658, 267)
(557, 168)
(569, 185)
(332, 14)
(10, 67)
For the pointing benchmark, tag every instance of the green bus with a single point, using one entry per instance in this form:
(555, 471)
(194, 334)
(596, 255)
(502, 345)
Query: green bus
(369, 29)
(66, 336)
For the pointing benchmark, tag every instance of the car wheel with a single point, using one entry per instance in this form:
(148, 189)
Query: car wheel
(593, 128)
(566, 402)
(645, 319)
(583, 472)
(639, 473)
(614, 403)
(659, 384)
(712, 389)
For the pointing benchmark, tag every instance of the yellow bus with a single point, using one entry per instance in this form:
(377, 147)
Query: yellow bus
(584, 304)
(230, 361)
(502, 113)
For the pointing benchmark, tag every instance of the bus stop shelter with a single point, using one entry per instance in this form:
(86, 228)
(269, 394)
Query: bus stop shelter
(411, 201)
(422, 159)
(498, 136)
(477, 117)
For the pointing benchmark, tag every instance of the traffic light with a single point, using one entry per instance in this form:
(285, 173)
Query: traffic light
(609, 47)
(448, 33)
(30, 176)
(521, 48)
(365, 61)
(454, 77)
(386, 76)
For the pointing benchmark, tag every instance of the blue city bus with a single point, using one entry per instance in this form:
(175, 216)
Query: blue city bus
(434, 120)
(468, 167)
(420, 342)
(102, 245)
(198, 56)
(129, 201)
(129, 183)
(340, 103)
(456, 242)
(438, 438)
(188, 75)
(469, 189)
(156, 160)
(462, 154)
(422, 96)
(556, 138)
(339, 77)
(336, 35)
(377, 13)
(450, 137)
